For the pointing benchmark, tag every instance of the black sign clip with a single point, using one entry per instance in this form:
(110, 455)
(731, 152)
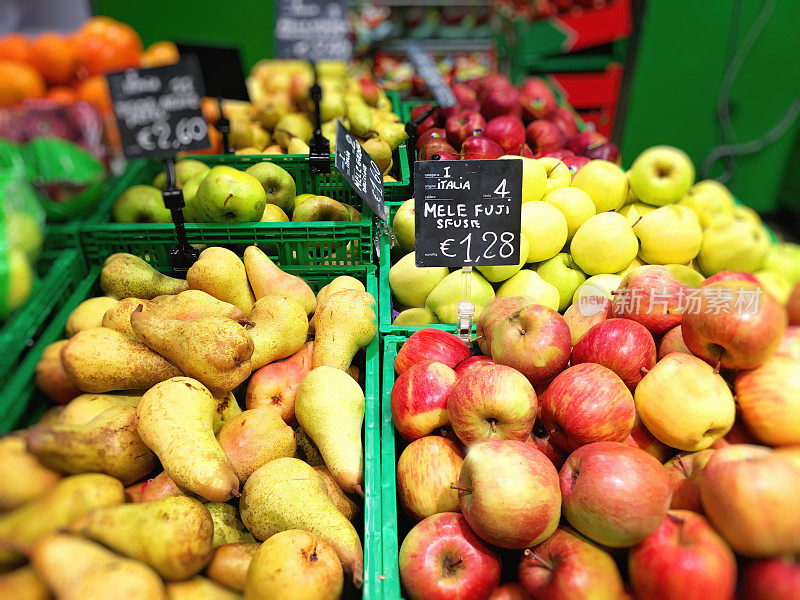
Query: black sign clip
(184, 255)
(319, 155)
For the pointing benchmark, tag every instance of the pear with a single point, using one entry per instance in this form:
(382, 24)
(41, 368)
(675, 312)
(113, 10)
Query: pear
(230, 563)
(228, 527)
(275, 385)
(416, 317)
(260, 138)
(118, 318)
(334, 427)
(104, 360)
(24, 477)
(185, 169)
(241, 132)
(380, 152)
(214, 350)
(280, 330)
(286, 493)
(269, 109)
(328, 130)
(293, 126)
(360, 117)
(141, 204)
(306, 450)
(393, 134)
(88, 314)
(126, 275)
(277, 182)
(321, 208)
(107, 444)
(255, 437)
(297, 146)
(227, 408)
(274, 214)
(23, 583)
(342, 501)
(78, 569)
(227, 195)
(70, 499)
(175, 421)
(444, 299)
(342, 282)
(86, 407)
(344, 323)
(220, 273)
(266, 278)
(20, 275)
(195, 304)
(199, 588)
(50, 376)
(411, 284)
(294, 564)
(160, 486)
(172, 535)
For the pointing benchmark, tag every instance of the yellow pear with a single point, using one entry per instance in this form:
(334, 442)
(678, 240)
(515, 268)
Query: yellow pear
(24, 477)
(228, 527)
(344, 323)
(219, 272)
(199, 588)
(280, 329)
(267, 279)
(126, 275)
(88, 314)
(23, 583)
(230, 563)
(50, 376)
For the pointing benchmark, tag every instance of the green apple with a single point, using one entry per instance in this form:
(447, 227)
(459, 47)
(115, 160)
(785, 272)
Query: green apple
(185, 169)
(605, 243)
(661, 175)
(277, 183)
(411, 284)
(534, 178)
(444, 299)
(404, 225)
(228, 195)
(546, 230)
(784, 258)
(686, 275)
(191, 213)
(300, 198)
(558, 174)
(597, 286)
(529, 283)
(25, 231)
(18, 283)
(710, 200)
(574, 204)
(735, 244)
(669, 234)
(605, 182)
(274, 214)
(562, 272)
(497, 274)
(141, 204)
(776, 284)
(635, 263)
(415, 317)
(635, 211)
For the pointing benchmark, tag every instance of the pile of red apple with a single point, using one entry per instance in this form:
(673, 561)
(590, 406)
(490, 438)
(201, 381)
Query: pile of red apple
(658, 458)
(492, 118)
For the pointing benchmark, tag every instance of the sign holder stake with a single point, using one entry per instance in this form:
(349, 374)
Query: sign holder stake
(319, 155)
(184, 255)
(465, 308)
(223, 125)
(411, 142)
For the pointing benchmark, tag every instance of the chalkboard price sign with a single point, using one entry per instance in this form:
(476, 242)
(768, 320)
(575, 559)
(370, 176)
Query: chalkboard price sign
(428, 70)
(467, 212)
(158, 109)
(357, 167)
(313, 30)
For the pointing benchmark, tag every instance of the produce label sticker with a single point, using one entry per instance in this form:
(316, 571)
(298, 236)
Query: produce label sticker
(357, 167)
(158, 109)
(468, 212)
(429, 72)
(313, 30)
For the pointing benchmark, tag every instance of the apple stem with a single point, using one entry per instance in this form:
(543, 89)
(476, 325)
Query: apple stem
(456, 562)
(615, 292)
(455, 486)
(644, 370)
(493, 425)
(636, 223)
(246, 323)
(719, 362)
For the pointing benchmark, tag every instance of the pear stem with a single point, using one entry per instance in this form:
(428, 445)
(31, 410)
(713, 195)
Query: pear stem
(455, 486)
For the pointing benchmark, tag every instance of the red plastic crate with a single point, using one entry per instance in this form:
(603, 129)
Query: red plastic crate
(594, 95)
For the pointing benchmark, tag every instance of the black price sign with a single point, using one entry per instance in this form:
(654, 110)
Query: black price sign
(428, 70)
(313, 30)
(468, 212)
(221, 68)
(357, 167)
(158, 109)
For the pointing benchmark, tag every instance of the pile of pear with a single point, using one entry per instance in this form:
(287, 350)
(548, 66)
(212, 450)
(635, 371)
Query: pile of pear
(264, 192)
(582, 234)
(149, 479)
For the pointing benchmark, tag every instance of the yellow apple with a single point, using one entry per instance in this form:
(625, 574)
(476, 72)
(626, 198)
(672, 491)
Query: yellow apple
(605, 182)
(501, 273)
(558, 174)
(710, 200)
(635, 211)
(546, 230)
(529, 283)
(444, 299)
(605, 243)
(635, 263)
(735, 244)
(574, 204)
(776, 284)
(534, 178)
(661, 175)
(404, 225)
(669, 234)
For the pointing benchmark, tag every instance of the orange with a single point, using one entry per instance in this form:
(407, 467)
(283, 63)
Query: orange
(61, 94)
(215, 137)
(54, 57)
(19, 81)
(210, 109)
(15, 46)
(94, 90)
(104, 45)
(160, 53)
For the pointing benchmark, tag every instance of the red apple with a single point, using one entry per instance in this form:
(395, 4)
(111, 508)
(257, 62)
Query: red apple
(544, 135)
(579, 322)
(641, 438)
(431, 345)
(430, 120)
(540, 438)
(525, 151)
(790, 343)
(567, 566)
(436, 147)
(535, 340)
(730, 276)
(587, 403)
(494, 402)
(509, 493)
(685, 471)
(558, 153)
(435, 133)
(652, 296)
(575, 163)
(497, 310)
(473, 363)
(737, 435)
(793, 306)
(605, 151)
(772, 579)
(684, 559)
(441, 559)
(565, 120)
(508, 131)
(749, 494)
(672, 342)
(488, 82)
(769, 401)
(537, 101)
(622, 345)
(461, 126)
(582, 141)
(444, 156)
(501, 100)
(419, 399)
(466, 99)
(509, 591)
(425, 471)
(614, 494)
(479, 147)
(735, 325)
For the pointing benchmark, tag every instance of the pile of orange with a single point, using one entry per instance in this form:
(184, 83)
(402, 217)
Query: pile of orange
(71, 67)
